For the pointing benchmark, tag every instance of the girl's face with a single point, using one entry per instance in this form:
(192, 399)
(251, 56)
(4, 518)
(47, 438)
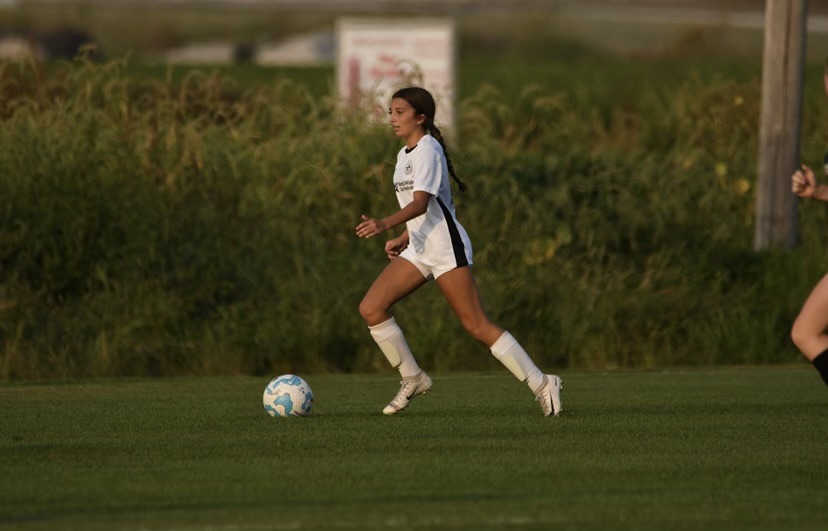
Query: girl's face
(405, 122)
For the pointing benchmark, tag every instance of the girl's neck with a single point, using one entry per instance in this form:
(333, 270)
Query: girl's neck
(414, 138)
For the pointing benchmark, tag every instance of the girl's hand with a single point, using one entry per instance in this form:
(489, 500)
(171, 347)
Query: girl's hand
(370, 227)
(803, 182)
(395, 246)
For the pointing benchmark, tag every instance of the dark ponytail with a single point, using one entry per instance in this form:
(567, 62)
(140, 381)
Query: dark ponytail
(431, 128)
(423, 103)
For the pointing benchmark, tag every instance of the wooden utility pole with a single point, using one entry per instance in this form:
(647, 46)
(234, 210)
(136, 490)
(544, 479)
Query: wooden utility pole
(784, 56)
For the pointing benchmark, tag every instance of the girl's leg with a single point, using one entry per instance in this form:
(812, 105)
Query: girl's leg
(809, 329)
(460, 289)
(398, 279)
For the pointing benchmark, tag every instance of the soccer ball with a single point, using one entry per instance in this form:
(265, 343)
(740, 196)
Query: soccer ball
(287, 395)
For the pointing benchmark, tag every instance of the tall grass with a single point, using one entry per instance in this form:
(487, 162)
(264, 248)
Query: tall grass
(195, 226)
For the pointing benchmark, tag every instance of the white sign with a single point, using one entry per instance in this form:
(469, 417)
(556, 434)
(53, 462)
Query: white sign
(378, 56)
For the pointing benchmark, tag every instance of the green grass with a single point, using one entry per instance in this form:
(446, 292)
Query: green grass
(731, 448)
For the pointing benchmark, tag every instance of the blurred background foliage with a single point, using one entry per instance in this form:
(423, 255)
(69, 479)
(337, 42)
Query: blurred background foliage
(168, 220)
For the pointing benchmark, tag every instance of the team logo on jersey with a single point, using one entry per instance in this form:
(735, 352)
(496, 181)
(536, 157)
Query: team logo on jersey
(409, 167)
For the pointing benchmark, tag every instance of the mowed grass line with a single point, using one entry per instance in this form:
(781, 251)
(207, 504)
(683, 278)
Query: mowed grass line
(733, 448)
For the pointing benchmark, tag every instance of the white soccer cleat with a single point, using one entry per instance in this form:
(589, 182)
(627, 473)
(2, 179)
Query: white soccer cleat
(411, 387)
(549, 395)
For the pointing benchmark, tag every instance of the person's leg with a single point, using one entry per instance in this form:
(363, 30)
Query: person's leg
(809, 328)
(398, 279)
(460, 290)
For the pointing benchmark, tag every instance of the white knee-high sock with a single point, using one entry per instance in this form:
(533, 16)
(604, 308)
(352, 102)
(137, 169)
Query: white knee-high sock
(391, 341)
(511, 354)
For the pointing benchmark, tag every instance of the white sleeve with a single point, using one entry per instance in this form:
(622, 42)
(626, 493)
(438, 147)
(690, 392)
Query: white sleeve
(428, 172)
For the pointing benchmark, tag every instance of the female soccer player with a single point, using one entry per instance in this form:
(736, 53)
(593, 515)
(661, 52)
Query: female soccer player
(433, 246)
(809, 329)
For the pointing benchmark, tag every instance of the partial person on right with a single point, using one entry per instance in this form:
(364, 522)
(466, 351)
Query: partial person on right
(809, 329)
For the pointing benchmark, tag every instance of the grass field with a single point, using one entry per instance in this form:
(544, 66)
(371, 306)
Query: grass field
(732, 448)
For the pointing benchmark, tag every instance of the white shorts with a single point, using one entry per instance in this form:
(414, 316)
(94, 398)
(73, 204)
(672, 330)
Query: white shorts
(437, 267)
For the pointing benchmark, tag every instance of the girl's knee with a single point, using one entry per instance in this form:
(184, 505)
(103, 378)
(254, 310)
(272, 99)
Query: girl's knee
(371, 313)
(366, 310)
(807, 339)
(799, 335)
(796, 338)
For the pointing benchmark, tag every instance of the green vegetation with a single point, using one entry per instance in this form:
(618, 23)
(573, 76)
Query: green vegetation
(177, 221)
(725, 449)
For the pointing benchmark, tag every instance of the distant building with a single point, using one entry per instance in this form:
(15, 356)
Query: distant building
(14, 48)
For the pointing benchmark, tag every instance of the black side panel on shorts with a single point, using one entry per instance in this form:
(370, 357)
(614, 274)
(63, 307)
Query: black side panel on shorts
(456, 241)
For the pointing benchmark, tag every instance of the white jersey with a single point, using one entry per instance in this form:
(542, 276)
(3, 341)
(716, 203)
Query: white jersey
(436, 238)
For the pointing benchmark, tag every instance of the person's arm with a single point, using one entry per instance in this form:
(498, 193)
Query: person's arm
(395, 246)
(373, 227)
(803, 184)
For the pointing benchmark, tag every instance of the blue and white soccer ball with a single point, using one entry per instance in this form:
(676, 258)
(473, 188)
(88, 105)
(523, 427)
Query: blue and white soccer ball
(288, 396)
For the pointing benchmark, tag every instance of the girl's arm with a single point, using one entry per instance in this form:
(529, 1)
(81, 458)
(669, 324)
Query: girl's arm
(395, 246)
(372, 227)
(803, 184)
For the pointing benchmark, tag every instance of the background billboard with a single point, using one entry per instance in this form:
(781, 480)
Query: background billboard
(378, 56)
